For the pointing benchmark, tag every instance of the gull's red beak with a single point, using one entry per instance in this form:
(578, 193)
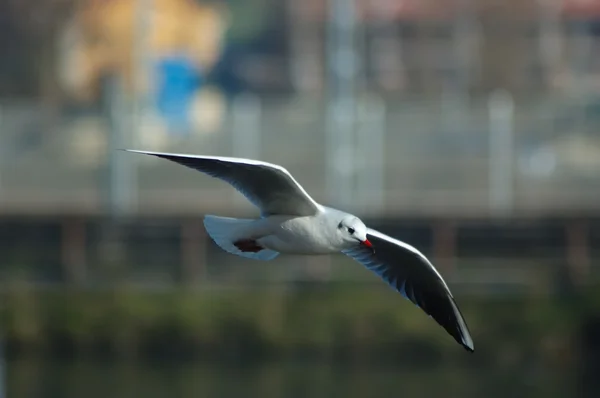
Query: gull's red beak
(367, 244)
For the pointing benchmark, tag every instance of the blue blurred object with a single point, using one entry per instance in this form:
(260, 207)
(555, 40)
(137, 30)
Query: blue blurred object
(178, 79)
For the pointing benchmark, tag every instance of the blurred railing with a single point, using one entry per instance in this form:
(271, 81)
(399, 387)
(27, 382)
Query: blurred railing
(532, 256)
(406, 157)
(441, 163)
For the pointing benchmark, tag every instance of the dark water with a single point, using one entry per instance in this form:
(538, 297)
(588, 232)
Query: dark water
(79, 379)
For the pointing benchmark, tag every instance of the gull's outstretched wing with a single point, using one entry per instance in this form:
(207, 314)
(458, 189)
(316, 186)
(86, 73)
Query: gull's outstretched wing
(409, 272)
(268, 186)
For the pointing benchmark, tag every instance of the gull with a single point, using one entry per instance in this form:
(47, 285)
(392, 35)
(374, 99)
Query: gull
(291, 222)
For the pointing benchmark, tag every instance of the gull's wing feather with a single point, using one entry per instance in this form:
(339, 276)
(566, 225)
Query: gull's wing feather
(268, 186)
(409, 272)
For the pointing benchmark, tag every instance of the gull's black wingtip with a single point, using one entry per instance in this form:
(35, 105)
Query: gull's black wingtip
(468, 344)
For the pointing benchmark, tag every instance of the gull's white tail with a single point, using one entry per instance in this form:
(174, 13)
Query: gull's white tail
(224, 231)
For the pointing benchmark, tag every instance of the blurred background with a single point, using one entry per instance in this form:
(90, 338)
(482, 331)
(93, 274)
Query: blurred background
(469, 129)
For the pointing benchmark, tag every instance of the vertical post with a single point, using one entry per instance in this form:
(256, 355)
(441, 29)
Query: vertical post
(501, 119)
(73, 251)
(142, 83)
(465, 29)
(341, 107)
(246, 130)
(193, 251)
(122, 176)
(142, 64)
(455, 90)
(578, 251)
(370, 145)
(583, 49)
(444, 244)
(550, 37)
(121, 170)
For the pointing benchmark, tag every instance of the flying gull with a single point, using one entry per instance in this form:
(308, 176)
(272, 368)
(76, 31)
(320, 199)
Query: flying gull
(292, 222)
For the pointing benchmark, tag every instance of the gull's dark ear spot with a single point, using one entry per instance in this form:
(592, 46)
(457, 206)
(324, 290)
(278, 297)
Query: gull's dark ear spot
(340, 225)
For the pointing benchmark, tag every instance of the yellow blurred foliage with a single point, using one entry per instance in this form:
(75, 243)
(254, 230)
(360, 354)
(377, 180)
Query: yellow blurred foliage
(102, 35)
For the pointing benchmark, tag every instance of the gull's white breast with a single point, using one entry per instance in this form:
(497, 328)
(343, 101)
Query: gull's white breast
(302, 235)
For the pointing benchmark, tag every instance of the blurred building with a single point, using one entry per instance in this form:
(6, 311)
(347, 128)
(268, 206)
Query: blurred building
(405, 47)
(430, 65)
(419, 47)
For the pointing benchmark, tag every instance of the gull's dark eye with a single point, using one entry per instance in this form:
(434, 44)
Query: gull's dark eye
(351, 231)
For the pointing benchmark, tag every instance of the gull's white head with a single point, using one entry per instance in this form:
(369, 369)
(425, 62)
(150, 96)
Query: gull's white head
(353, 232)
